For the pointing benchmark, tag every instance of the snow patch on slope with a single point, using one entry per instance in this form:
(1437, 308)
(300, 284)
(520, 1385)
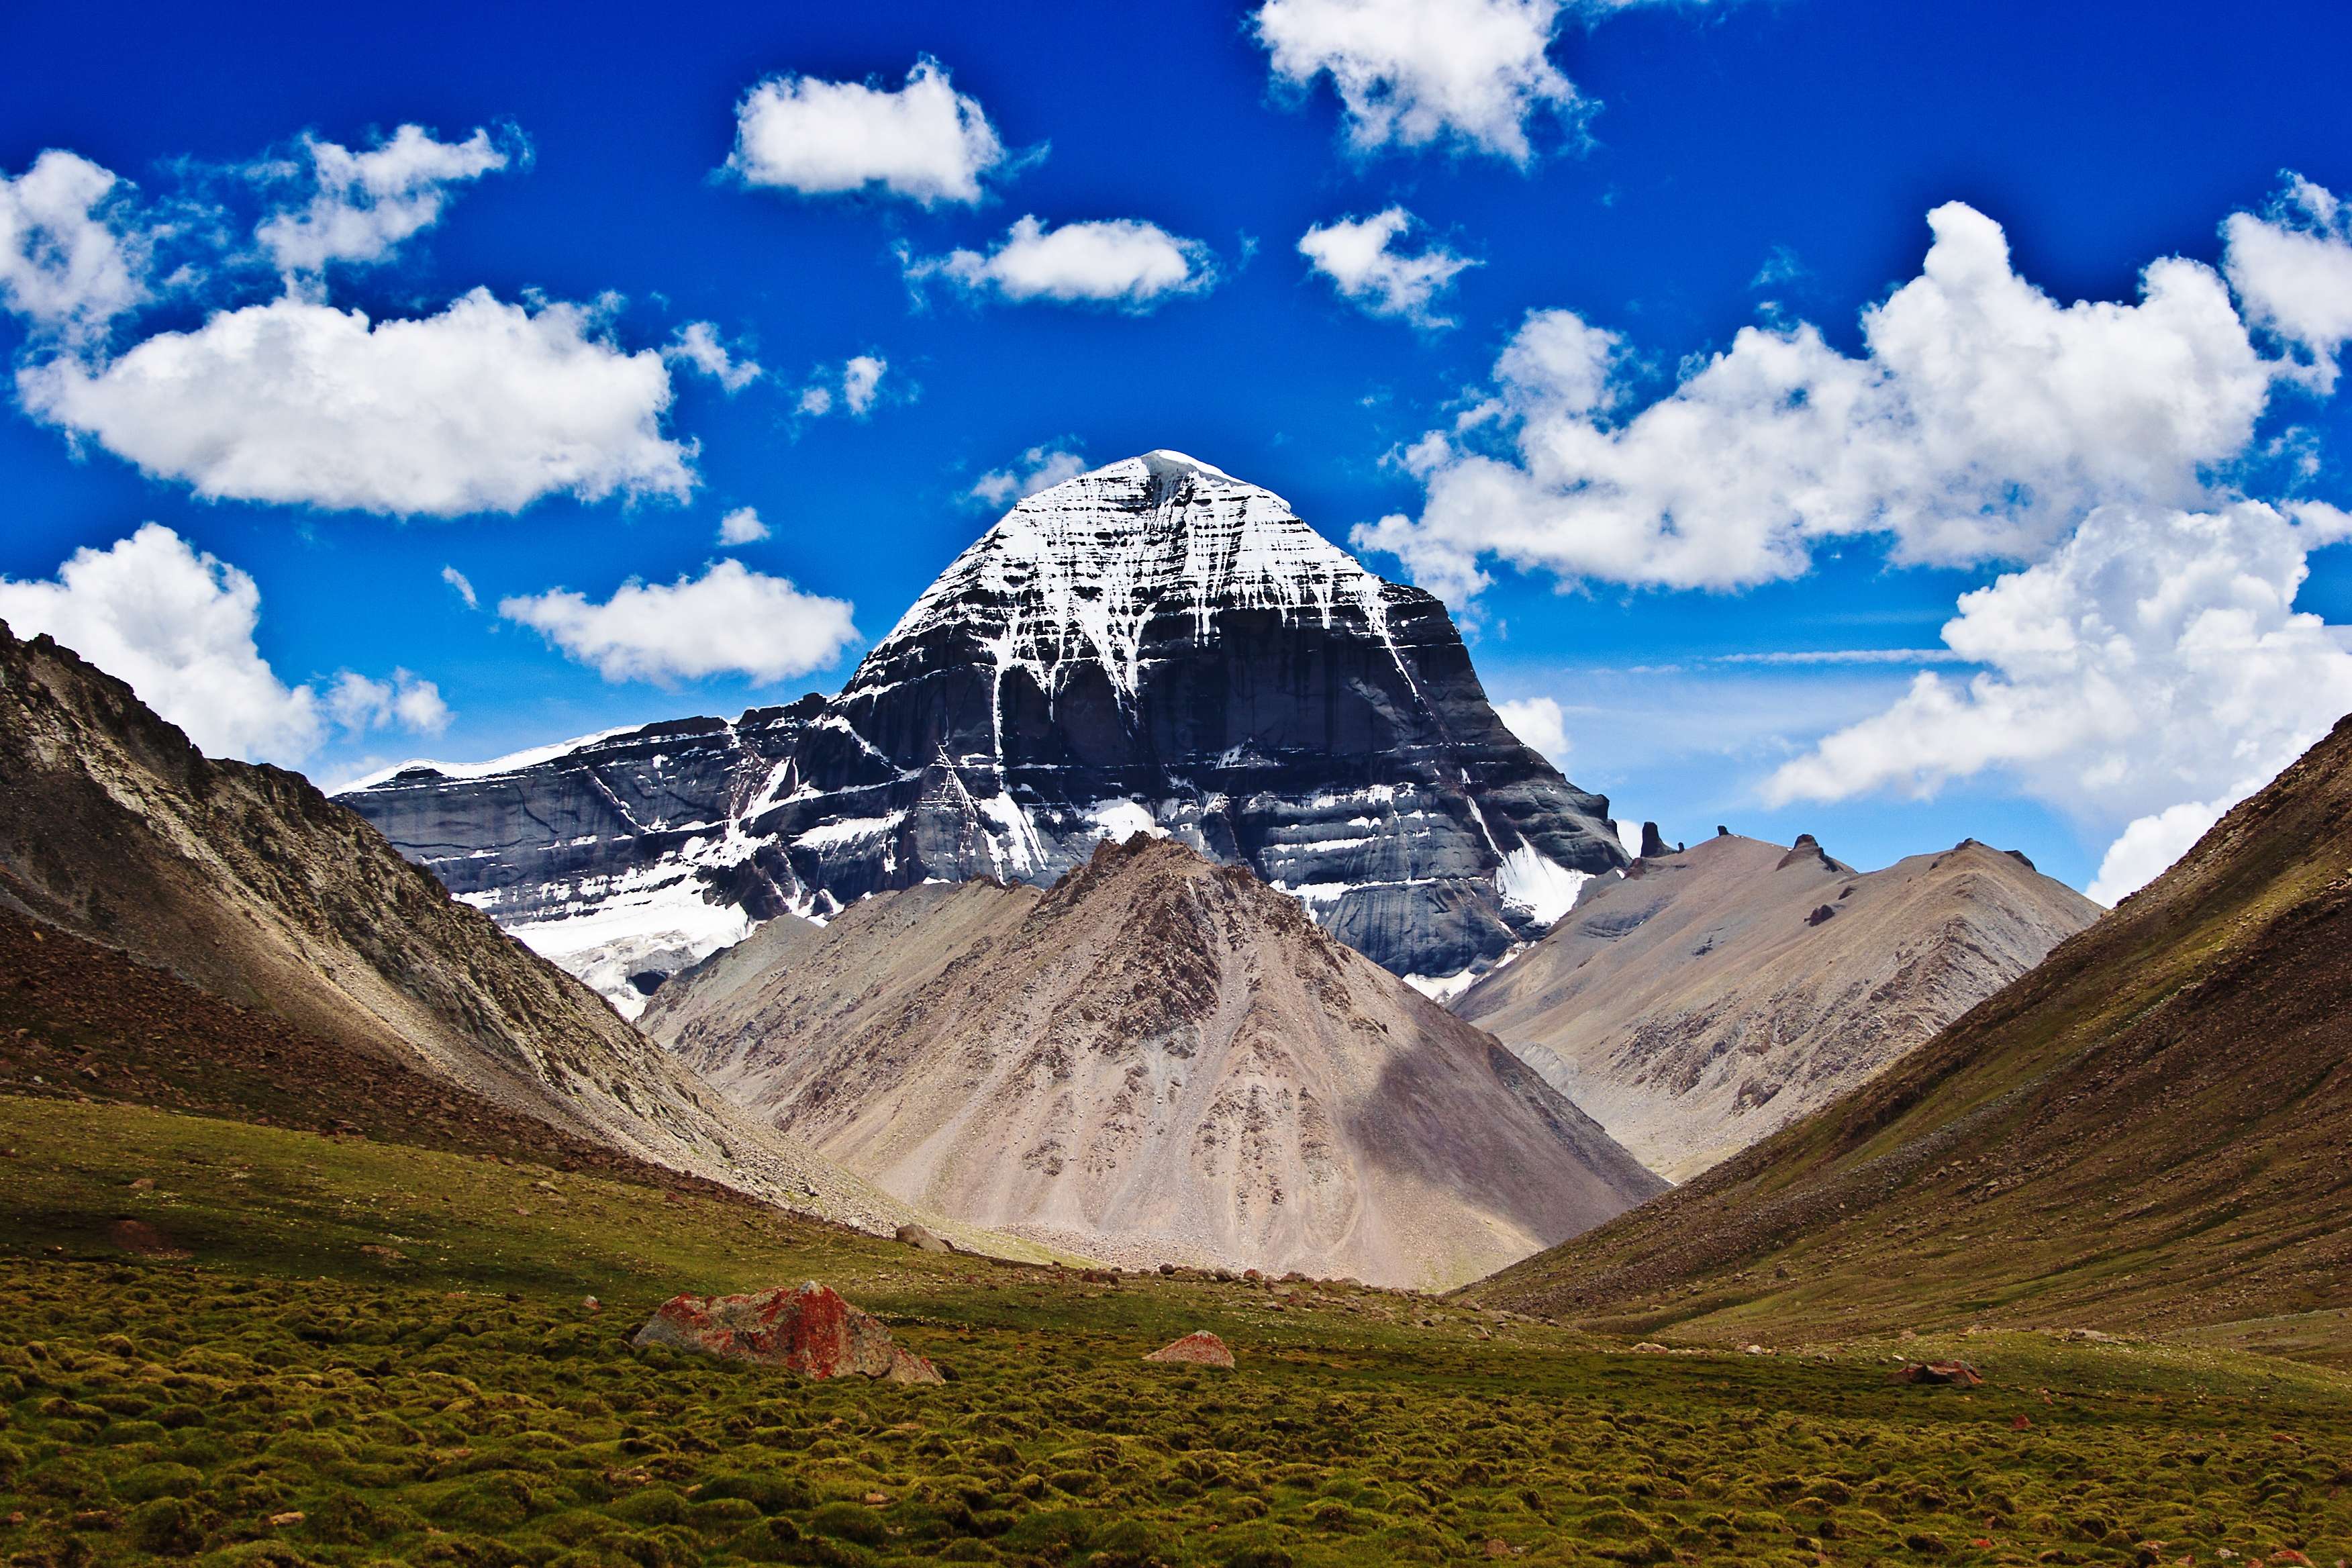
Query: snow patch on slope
(1119, 820)
(1442, 988)
(1539, 884)
(664, 924)
(514, 762)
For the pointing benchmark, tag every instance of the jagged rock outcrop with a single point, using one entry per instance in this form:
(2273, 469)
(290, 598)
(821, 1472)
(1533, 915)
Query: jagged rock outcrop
(1717, 992)
(1160, 1059)
(252, 886)
(1152, 647)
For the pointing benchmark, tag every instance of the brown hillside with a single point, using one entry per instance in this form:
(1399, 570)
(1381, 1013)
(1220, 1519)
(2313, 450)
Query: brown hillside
(2149, 1131)
(1718, 993)
(250, 885)
(82, 1021)
(1161, 1059)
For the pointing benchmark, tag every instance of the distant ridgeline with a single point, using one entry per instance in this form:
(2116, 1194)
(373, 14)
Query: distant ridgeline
(1154, 646)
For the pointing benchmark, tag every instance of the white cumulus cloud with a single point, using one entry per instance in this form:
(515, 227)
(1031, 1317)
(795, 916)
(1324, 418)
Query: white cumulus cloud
(854, 388)
(2147, 849)
(363, 204)
(486, 406)
(64, 266)
(2154, 658)
(1472, 75)
(1124, 263)
(743, 526)
(2141, 668)
(924, 140)
(698, 349)
(1038, 469)
(404, 702)
(2293, 268)
(1981, 421)
(861, 378)
(1538, 721)
(730, 620)
(1363, 261)
(177, 626)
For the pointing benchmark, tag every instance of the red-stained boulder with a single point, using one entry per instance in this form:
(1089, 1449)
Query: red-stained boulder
(811, 1329)
(1199, 1348)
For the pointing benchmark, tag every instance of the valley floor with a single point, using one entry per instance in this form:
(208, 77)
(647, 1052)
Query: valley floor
(255, 1344)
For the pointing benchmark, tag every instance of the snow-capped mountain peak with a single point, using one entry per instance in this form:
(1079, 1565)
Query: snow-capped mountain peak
(1154, 646)
(1080, 572)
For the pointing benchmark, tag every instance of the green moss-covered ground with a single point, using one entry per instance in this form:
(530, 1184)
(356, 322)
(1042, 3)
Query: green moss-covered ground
(370, 1352)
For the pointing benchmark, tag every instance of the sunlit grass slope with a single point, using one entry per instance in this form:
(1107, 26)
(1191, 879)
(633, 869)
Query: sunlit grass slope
(373, 1352)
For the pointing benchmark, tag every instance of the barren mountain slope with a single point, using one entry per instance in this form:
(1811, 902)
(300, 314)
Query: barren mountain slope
(251, 884)
(2148, 1130)
(873, 954)
(1716, 995)
(82, 1021)
(1160, 1059)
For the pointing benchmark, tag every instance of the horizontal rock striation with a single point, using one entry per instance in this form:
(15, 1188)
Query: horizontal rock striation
(1154, 646)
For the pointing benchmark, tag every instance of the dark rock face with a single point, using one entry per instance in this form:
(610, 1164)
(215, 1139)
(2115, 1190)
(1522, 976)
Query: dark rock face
(1154, 646)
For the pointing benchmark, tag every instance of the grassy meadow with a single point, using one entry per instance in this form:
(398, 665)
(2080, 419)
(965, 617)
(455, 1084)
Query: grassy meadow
(230, 1343)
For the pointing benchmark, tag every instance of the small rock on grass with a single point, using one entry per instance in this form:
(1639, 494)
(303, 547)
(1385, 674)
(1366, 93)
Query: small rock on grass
(1198, 1348)
(921, 1240)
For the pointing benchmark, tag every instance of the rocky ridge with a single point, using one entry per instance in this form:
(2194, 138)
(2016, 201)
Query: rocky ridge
(2146, 1131)
(1161, 1060)
(249, 884)
(1718, 992)
(1153, 646)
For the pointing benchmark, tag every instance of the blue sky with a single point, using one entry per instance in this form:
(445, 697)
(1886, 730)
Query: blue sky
(1770, 164)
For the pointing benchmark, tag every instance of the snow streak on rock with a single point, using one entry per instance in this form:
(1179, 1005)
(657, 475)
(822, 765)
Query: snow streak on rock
(1155, 647)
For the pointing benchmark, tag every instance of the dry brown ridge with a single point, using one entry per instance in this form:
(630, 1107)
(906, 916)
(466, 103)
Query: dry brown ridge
(1160, 1059)
(2148, 1131)
(1718, 993)
(249, 884)
(82, 1021)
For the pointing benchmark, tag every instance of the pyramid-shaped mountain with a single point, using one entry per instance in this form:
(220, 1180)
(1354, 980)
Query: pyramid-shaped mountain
(1151, 646)
(1158, 1060)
